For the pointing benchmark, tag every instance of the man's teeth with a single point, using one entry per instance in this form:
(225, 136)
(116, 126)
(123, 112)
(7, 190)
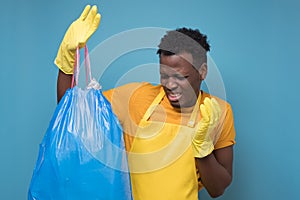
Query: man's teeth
(174, 95)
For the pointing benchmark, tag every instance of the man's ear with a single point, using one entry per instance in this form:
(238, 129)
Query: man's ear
(203, 71)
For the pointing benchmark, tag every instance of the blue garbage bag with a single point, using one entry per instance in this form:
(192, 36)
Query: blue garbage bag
(82, 155)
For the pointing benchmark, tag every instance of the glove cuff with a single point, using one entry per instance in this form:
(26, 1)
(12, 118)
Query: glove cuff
(65, 60)
(203, 150)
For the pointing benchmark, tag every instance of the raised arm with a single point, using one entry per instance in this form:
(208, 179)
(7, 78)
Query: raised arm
(215, 166)
(77, 35)
(63, 83)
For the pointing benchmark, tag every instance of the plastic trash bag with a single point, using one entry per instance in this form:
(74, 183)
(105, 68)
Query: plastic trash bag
(82, 155)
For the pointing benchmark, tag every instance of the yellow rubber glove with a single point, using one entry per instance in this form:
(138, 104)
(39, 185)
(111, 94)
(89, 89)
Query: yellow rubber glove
(202, 142)
(77, 35)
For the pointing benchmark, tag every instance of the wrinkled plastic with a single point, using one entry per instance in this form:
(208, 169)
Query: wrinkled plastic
(82, 155)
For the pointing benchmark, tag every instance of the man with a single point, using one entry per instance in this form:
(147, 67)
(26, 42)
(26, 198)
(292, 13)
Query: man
(178, 138)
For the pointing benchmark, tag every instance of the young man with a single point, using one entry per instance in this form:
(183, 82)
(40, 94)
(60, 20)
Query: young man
(178, 138)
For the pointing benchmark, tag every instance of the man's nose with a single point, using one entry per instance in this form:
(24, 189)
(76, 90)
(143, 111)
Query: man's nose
(171, 83)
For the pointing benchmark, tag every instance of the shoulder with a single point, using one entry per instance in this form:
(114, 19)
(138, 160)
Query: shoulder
(144, 93)
(146, 89)
(137, 91)
(131, 101)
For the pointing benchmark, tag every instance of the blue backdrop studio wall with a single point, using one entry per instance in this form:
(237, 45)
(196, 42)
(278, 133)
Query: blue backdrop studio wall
(255, 45)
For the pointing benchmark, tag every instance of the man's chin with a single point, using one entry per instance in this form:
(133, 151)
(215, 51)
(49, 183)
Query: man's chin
(175, 104)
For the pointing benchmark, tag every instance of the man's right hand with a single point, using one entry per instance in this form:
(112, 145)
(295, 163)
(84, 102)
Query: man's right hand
(77, 35)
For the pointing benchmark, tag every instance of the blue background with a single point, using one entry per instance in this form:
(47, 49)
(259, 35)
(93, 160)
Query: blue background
(255, 45)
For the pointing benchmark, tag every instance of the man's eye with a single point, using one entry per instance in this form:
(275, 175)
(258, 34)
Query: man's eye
(181, 78)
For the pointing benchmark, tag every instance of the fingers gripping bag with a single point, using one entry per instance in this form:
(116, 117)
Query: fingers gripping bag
(82, 155)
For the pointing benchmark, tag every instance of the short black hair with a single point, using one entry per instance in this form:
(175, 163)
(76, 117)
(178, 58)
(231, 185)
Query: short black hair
(185, 40)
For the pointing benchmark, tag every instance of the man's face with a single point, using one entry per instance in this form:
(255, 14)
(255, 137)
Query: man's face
(180, 80)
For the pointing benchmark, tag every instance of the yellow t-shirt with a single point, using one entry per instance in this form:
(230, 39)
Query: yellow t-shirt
(131, 101)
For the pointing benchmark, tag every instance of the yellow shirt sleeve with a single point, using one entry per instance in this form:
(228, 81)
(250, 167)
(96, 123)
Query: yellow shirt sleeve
(226, 129)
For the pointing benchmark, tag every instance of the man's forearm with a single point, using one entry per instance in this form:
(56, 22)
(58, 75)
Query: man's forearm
(214, 176)
(63, 83)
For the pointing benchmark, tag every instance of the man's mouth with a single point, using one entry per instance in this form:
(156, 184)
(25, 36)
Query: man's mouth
(174, 96)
